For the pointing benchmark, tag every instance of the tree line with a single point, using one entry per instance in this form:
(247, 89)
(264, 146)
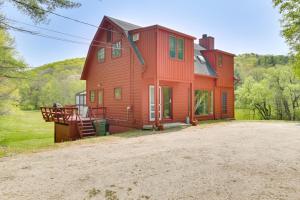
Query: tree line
(269, 92)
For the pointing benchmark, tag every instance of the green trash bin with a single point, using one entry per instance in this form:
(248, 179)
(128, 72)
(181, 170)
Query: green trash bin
(100, 127)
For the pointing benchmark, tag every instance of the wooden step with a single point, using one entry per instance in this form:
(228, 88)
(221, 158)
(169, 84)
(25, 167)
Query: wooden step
(89, 134)
(86, 124)
(86, 128)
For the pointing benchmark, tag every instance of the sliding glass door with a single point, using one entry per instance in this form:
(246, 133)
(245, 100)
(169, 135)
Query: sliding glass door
(204, 102)
(165, 103)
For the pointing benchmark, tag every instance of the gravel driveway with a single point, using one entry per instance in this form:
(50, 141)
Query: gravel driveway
(231, 160)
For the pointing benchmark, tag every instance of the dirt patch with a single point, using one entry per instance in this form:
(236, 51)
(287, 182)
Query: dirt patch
(231, 160)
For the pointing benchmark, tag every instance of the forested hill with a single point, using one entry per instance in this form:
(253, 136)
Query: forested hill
(73, 65)
(268, 86)
(245, 64)
(53, 82)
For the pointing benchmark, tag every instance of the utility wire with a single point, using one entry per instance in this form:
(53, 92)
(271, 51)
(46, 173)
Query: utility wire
(59, 32)
(55, 38)
(62, 16)
(47, 29)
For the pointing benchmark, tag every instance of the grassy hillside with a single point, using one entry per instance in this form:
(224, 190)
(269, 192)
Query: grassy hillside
(54, 82)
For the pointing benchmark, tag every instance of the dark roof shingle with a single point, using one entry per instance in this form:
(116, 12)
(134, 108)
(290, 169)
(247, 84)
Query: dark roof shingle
(201, 67)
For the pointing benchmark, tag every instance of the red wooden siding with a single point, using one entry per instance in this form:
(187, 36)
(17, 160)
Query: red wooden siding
(113, 73)
(134, 78)
(172, 69)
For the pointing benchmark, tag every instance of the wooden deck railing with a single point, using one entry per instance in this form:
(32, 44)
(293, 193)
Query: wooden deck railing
(63, 115)
(96, 112)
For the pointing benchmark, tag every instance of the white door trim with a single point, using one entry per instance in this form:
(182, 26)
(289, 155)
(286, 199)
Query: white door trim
(152, 103)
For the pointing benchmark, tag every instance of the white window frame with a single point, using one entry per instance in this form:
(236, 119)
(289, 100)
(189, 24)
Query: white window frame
(100, 53)
(152, 104)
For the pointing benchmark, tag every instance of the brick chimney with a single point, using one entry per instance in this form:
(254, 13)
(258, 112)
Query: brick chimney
(207, 42)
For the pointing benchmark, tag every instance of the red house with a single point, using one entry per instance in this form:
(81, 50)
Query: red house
(155, 75)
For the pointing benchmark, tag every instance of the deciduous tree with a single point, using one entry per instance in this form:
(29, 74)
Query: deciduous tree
(290, 11)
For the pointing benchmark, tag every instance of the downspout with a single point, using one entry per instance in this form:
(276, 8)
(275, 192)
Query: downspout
(130, 106)
(214, 98)
(156, 83)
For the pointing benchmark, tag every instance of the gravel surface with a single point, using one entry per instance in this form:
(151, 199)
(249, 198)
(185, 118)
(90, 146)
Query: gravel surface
(230, 160)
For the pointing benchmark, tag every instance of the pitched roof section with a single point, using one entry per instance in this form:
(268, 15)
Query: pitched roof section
(201, 65)
(126, 27)
(199, 47)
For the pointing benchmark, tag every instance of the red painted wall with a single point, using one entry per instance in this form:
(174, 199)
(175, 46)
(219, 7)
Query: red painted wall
(118, 72)
(134, 78)
(173, 69)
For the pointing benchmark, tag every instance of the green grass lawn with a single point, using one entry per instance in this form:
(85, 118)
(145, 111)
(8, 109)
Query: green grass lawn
(246, 114)
(24, 131)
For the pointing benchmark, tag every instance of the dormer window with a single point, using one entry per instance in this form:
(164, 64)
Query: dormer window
(201, 59)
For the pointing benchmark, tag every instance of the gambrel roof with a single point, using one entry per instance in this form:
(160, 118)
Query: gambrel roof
(125, 27)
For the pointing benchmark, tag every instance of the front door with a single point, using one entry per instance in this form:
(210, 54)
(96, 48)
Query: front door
(100, 98)
(166, 102)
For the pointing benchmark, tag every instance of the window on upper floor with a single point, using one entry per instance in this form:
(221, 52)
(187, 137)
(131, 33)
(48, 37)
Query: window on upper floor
(116, 49)
(109, 35)
(172, 46)
(101, 55)
(220, 60)
(180, 49)
(176, 47)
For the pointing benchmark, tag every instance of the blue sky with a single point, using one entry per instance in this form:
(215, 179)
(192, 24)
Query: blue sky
(238, 26)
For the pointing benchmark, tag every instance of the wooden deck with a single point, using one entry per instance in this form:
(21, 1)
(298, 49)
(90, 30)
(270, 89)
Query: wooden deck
(70, 114)
(69, 125)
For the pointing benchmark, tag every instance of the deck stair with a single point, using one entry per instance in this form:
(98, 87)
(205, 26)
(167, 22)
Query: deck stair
(86, 128)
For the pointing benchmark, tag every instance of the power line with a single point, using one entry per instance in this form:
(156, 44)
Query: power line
(59, 32)
(63, 16)
(54, 37)
(47, 29)
(41, 35)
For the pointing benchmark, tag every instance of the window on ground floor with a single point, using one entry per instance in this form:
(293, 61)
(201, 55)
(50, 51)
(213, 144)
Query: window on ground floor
(92, 96)
(151, 103)
(224, 102)
(100, 98)
(118, 93)
(204, 102)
